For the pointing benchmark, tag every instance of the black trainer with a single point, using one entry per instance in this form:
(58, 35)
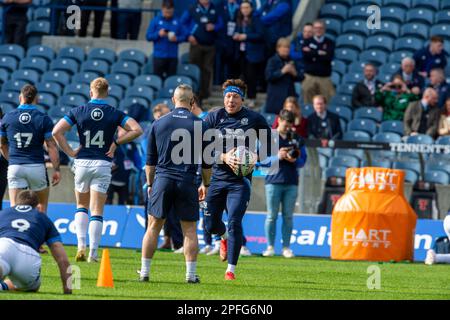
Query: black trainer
(195, 280)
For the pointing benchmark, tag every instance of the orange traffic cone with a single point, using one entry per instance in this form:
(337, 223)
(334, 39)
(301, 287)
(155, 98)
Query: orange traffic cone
(105, 277)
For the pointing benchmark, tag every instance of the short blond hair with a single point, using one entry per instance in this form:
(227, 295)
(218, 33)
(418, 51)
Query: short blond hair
(183, 93)
(283, 42)
(100, 87)
(322, 97)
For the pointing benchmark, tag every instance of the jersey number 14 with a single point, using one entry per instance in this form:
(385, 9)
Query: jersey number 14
(97, 140)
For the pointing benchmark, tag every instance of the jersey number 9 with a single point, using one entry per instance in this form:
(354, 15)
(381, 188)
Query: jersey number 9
(97, 140)
(20, 224)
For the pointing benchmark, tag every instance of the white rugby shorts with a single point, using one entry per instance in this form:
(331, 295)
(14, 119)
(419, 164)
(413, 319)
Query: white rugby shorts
(92, 174)
(21, 264)
(31, 176)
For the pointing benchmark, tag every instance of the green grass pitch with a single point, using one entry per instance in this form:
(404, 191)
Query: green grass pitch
(257, 278)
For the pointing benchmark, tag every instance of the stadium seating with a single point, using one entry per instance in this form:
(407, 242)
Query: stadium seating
(39, 51)
(369, 113)
(437, 177)
(133, 55)
(65, 64)
(153, 81)
(119, 79)
(73, 53)
(34, 63)
(365, 125)
(104, 54)
(344, 161)
(356, 135)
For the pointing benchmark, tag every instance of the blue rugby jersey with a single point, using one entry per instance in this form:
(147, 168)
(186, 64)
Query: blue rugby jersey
(26, 128)
(28, 226)
(97, 123)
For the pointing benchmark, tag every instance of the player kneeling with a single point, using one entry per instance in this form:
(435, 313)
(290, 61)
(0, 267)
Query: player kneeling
(432, 256)
(23, 229)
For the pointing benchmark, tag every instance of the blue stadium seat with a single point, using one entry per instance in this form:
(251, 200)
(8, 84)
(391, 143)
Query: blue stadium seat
(153, 81)
(84, 77)
(357, 153)
(420, 15)
(377, 57)
(398, 56)
(442, 30)
(432, 165)
(404, 4)
(116, 91)
(127, 102)
(369, 113)
(445, 4)
(437, 177)
(333, 25)
(420, 139)
(347, 3)
(81, 89)
(443, 140)
(394, 14)
(408, 165)
(351, 41)
(442, 16)
(107, 55)
(166, 92)
(341, 100)
(42, 14)
(346, 55)
(184, 59)
(190, 70)
(384, 77)
(148, 67)
(428, 4)
(119, 79)
(12, 50)
(134, 55)
(27, 75)
(8, 63)
(10, 97)
(392, 126)
(46, 100)
(344, 161)
(35, 30)
(330, 36)
(59, 111)
(353, 78)
(365, 125)
(76, 53)
(4, 76)
(14, 85)
(100, 67)
(126, 67)
(408, 43)
(40, 51)
(141, 91)
(358, 12)
(387, 137)
(328, 152)
(343, 124)
(388, 28)
(335, 172)
(415, 30)
(34, 63)
(411, 176)
(390, 68)
(379, 163)
(7, 107)
(49, 87)
(342, 111)
(65, 64)
(334, 10)
(335, 78)
(357, 67)
(174, 81)
(112, 101)
(346, 89)
(356, 135)
(384, 43)
(339, 66)
(307, 110)
(60, 77)
(72, 100)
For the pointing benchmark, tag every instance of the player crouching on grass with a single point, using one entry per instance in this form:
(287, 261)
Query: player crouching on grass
(228, 190)
(23, 229)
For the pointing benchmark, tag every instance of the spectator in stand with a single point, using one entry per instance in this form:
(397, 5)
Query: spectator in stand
(409, 74)
(298, 44)
(113, 25)
(60, 17)
(166, 32)
(318, 53)
(16, 20)
(444, 121)
(323, 124)
(129, 22)
(431, 57)
(276, 16)
(282, 187)
(364, 92)
(249, 37)
(438, 83)
(99, 16)
(394, 97)
(226, 62)
(300, 125)
(203, 22)
(281, 74)
(422, 117)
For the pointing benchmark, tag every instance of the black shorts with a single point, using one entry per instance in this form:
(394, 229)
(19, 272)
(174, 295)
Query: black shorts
(169, 194)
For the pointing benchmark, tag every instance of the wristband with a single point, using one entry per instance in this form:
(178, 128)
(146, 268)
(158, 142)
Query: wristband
(116, 143)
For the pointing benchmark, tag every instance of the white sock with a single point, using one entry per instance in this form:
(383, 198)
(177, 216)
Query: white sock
(443, 258)
(145, 267)
(95, 234)
(224, 236)
(81, 227)
(231, 268)
(191, 269)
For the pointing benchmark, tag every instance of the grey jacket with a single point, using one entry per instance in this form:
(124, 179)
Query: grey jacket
(413, 113)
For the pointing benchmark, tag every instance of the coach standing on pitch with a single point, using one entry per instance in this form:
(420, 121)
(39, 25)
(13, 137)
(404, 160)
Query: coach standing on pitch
(174, 187)
(229, 191)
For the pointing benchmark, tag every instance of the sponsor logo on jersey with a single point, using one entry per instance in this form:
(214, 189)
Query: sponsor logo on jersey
(25, 118)
(97, 114)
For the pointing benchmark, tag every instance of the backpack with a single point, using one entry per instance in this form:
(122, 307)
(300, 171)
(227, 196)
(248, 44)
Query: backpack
(442, 245)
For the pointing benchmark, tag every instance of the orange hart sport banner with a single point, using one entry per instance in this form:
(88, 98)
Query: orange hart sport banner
(373, 220)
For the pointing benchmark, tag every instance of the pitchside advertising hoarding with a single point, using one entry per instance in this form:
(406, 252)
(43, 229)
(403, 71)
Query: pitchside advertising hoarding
(124, 227)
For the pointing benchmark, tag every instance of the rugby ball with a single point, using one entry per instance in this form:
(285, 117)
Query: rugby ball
(247, 160)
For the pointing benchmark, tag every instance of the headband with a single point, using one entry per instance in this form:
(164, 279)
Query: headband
(234, 90)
